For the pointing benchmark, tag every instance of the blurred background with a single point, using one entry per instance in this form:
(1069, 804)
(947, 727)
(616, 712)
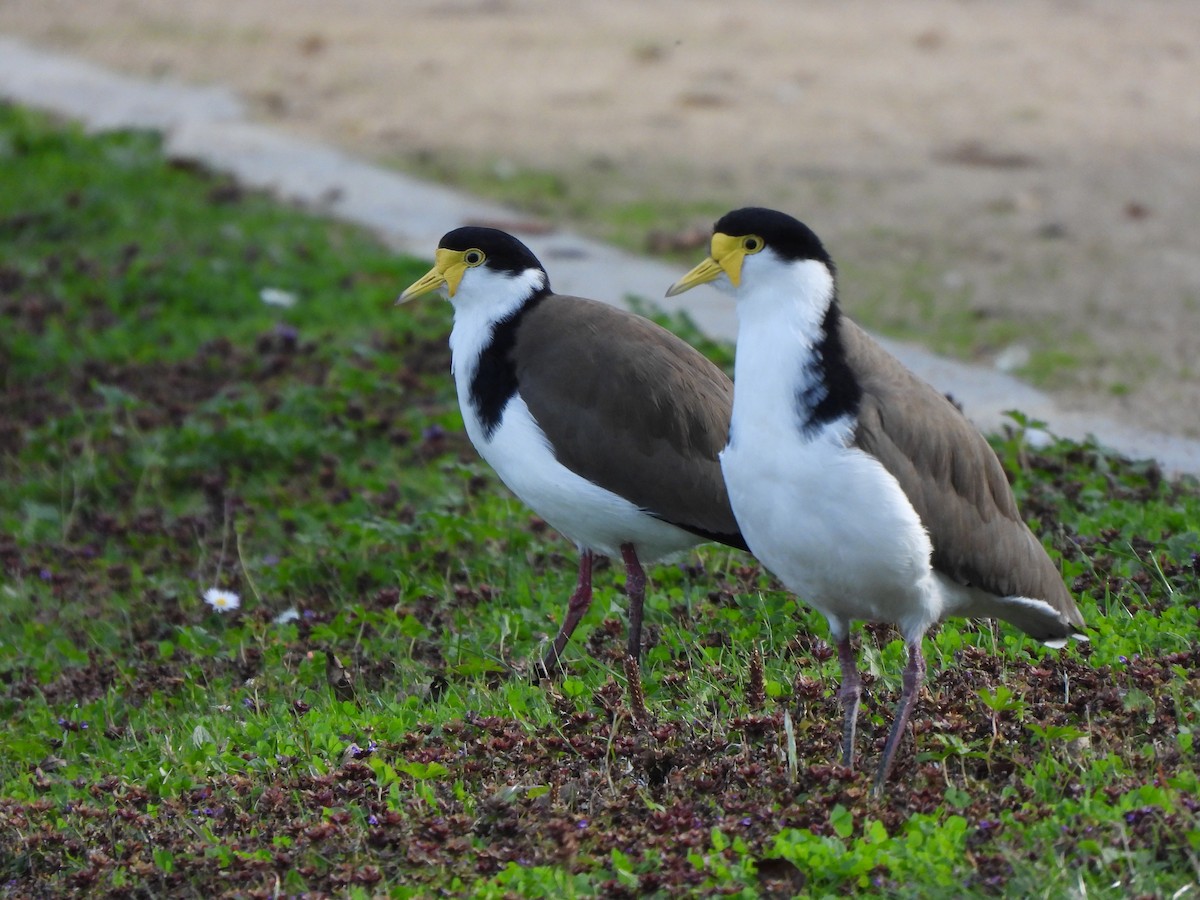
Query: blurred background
(1011, 184)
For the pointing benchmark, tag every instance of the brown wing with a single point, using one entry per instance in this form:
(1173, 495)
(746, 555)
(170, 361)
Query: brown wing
(952, 478)
(631, 407)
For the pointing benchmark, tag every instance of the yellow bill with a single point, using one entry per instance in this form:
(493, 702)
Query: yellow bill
(727, 255)
(448, 268)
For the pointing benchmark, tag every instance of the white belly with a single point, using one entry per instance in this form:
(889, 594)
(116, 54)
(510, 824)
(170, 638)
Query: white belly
(836, 528)
(585, 513)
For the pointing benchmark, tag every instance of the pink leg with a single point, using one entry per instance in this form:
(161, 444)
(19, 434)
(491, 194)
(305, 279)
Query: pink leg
(577, 606)
(914, 675)
(635, 587)
(849, 693)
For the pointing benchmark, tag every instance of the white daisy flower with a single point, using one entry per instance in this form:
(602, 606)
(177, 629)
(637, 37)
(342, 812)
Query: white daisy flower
(277, 297)
(288, 615)
(222, 601)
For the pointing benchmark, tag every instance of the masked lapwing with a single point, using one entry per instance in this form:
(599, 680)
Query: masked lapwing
(605, 424)
(866, 491)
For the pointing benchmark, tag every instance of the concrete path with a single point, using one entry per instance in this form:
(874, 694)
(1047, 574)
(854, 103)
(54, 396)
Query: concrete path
(209, 125)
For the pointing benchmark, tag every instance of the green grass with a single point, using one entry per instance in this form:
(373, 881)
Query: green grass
(164, 431)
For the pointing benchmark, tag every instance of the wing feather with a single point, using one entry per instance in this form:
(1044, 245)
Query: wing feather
(953, 479)
(631, 407)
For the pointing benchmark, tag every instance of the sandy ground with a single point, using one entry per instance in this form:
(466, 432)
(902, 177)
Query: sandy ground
(1016, 183)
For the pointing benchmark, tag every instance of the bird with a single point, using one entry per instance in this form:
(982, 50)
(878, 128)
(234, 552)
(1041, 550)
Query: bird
(604, 423)
(338, 677)
(866, 491)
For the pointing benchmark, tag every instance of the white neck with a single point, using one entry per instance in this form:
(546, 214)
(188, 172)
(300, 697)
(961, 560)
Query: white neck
(780, 310)
(484, 298)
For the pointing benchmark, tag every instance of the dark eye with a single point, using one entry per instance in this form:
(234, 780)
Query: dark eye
(752, 244)
(473, 257)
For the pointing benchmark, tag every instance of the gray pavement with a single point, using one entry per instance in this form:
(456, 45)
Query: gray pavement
(209, 125)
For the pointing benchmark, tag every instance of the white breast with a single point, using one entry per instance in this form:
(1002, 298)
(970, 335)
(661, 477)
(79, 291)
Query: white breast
(585, 513)
(825, 517)
(519, 452)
